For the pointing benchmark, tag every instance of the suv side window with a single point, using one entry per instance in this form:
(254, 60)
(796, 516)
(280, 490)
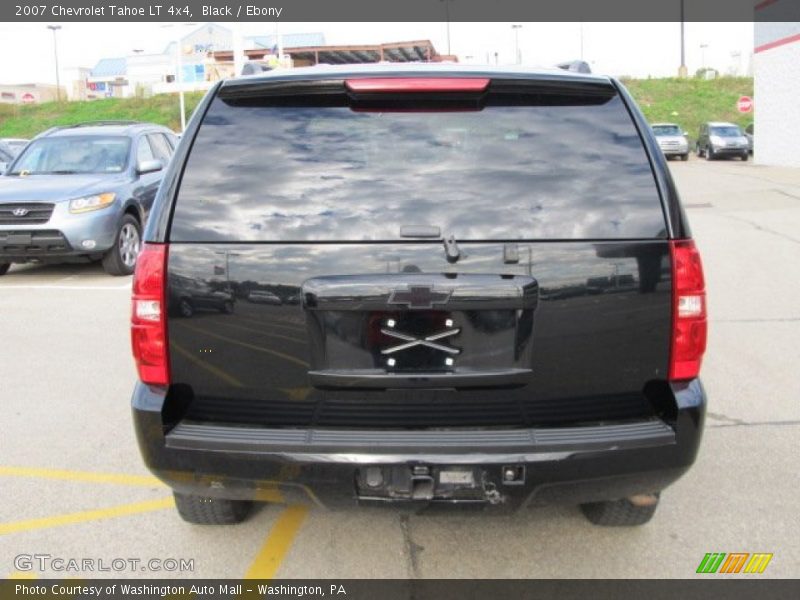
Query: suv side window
(144, 151)
(161, 147)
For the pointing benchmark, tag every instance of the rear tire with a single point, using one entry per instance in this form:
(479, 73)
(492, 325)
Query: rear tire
(227, 308)
(121, 257)
(710, 153)
(202, 510)
(685, 157)
(4, 267)
(618, 513)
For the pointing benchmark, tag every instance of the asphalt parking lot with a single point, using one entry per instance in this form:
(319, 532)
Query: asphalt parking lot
(73, 484)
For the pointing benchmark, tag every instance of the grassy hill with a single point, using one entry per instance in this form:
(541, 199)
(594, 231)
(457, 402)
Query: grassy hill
(687, 102)
(27, 120)
(690, 102)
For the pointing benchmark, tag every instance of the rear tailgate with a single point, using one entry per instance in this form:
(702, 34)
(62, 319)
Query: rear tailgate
(322, 208)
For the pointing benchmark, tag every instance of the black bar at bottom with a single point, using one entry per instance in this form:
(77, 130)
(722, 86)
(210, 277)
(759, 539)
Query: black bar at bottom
(705, 586)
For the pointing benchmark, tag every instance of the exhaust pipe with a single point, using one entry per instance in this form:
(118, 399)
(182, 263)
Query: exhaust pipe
(643, 500)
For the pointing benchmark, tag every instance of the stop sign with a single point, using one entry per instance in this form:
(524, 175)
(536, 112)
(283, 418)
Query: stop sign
(744, 104)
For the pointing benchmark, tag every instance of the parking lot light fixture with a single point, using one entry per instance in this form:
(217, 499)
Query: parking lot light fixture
(517, 55)
(54, 29)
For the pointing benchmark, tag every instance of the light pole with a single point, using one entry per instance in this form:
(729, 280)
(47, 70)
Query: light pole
(447, 18)
(228, 255)
(55, 28)
(517, 55)
(179, 75)
(682, 71)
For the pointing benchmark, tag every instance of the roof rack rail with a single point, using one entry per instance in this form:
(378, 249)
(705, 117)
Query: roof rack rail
(104, 122)
(576, 66)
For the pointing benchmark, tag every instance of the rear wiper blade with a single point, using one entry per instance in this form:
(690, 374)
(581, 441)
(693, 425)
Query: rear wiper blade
(451, 249)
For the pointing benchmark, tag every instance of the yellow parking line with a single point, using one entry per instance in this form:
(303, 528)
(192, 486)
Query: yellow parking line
(268, 334)
(272, 323)
(22, 575)
(246, 345)
(87, 515)
(87, 476)
(277, 544)
(204, 365)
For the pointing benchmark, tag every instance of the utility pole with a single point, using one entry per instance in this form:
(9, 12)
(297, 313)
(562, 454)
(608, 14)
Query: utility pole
(517, 55)
(682, 70)
(447, 19)
(55, 28)
(179, 74)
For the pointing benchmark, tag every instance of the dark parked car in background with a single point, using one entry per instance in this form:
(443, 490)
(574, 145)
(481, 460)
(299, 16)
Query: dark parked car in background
(13, 145)
(719, 140)
(187, 296)
(6, 157)
(748, 133)
(499, 301)
(83, 193)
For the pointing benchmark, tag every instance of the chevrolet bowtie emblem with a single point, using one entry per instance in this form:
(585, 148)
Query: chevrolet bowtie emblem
(419, 296)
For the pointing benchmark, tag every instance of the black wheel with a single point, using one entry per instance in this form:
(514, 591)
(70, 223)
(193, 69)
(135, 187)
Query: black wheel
(185, 308)
(227, 308)
(710, 153)
(619, 513)
(121, 257)
(210, 511)
(4, 267)
(685, 157)
(745, 156)
(699, 151)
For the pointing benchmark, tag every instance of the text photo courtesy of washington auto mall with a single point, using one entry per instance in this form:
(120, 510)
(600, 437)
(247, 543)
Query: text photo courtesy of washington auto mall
(431, 299)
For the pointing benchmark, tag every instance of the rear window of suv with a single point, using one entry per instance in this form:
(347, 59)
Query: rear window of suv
(306, 169)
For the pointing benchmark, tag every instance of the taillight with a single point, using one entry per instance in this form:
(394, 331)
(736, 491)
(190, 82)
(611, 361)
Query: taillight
(418, 84)
(689, 323)
(148, 316)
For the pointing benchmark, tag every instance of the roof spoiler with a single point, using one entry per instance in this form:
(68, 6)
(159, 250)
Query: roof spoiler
(576, 66)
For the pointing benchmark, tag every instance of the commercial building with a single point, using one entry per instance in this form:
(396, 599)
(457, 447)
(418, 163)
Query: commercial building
(207, 54)
(776, 63)
(29, 93)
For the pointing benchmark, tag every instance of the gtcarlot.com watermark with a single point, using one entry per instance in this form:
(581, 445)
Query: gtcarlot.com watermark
(61, 564)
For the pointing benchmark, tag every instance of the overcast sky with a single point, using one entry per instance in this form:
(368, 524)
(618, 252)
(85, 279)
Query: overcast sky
(636, 49)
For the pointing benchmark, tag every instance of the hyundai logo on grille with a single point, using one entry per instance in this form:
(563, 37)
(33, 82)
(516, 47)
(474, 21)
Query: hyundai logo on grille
(419, 296)
(20, 212)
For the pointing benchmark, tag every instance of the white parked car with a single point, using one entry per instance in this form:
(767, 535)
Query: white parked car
(672, 140)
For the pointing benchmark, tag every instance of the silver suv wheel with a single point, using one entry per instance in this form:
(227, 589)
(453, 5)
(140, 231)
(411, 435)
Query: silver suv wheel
(129, 244)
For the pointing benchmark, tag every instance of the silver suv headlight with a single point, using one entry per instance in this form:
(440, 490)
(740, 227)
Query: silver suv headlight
(89, 203)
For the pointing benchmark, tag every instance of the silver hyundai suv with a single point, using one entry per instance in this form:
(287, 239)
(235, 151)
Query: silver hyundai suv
(672, 140)
(83, 193)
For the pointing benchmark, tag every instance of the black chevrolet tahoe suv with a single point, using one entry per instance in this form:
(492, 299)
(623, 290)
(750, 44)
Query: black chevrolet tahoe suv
(483, 289)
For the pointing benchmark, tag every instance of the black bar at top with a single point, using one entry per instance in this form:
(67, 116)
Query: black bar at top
(405, 10)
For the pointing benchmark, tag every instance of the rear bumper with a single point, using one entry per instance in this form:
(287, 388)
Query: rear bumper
(568, 464)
